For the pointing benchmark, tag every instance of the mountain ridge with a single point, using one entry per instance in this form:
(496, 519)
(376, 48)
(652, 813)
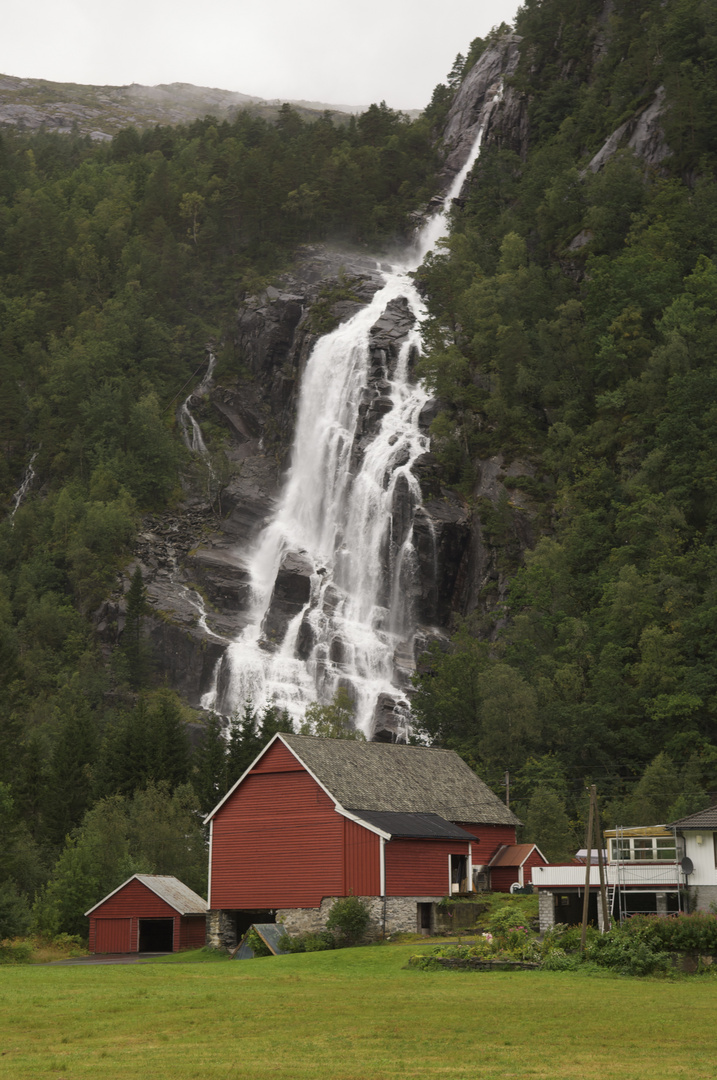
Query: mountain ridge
(102, 111)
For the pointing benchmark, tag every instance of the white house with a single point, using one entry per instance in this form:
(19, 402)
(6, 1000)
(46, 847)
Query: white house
(658, 869)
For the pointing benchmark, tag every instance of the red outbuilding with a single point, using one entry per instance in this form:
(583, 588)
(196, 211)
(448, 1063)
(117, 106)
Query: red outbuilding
(316, 819)
(512, 866)
(148, 913)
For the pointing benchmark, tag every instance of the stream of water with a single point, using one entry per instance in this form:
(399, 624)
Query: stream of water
(338, 521)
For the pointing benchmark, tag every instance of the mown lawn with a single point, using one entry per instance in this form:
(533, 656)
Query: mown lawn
(355, 1014)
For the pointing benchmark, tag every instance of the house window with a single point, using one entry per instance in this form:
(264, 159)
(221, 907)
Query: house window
(643, 849)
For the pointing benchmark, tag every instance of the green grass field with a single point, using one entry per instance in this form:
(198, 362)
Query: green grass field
(354, 1014)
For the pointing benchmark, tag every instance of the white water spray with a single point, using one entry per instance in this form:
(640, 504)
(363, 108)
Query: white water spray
(191, 431)
(28, 477)
(346, 521)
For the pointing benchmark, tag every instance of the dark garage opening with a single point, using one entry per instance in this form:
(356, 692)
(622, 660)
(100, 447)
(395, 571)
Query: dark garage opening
(156, 935)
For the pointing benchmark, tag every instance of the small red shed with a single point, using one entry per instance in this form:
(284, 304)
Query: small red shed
(513, 864)
(148, 913)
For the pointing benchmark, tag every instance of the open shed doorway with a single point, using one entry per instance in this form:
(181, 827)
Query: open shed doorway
(156, 935)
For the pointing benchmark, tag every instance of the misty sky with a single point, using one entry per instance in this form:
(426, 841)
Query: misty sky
(324, 50)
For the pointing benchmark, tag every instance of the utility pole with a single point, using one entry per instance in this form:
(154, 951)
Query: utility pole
(601, 864)
(507, 789)
(588, 867)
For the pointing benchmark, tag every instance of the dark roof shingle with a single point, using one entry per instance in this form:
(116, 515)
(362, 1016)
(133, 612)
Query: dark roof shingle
(703, 819)
(422, 826)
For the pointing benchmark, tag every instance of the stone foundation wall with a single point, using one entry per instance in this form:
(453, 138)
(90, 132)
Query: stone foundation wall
(702, 897)
(221, 930)
(394, 915)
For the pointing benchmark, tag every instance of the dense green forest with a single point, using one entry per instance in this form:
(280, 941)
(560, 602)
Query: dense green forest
(117, 263)
(589, 363)
(593, 364)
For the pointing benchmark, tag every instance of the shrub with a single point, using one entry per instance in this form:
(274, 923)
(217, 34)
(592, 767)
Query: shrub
(349, 917)
(682, 933)
(627, 953)
(257, 944)
(15, 952)
(318, 942)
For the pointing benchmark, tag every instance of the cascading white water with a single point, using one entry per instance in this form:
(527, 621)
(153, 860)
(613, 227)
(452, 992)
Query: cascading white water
(191, 431)
(336, 523)
(194, 441)
(22, 491)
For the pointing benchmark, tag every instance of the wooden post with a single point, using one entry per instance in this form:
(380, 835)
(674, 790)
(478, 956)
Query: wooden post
(588, 861)
(601, 865)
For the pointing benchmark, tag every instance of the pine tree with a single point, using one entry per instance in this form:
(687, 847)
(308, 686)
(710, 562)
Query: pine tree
(209, 765)
(135, 646)
(70, 782)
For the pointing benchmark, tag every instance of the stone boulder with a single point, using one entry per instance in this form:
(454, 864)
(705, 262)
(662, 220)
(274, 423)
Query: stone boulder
(292, 592)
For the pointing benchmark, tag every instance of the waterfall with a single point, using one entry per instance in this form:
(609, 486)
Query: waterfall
(27, 479)
(334, 573)
(191, 431)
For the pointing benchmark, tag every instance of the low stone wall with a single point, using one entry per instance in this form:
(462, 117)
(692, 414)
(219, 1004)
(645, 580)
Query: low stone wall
(394, 915)
(450, 918)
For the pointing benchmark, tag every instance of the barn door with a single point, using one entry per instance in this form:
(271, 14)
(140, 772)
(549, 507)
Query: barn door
(112, 935)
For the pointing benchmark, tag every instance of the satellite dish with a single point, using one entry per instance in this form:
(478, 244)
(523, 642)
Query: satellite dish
(687, 866)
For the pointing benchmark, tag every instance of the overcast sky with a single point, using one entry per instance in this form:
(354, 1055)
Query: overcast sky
(323, 50)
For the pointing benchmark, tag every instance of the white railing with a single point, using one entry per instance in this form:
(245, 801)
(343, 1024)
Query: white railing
(570, 877)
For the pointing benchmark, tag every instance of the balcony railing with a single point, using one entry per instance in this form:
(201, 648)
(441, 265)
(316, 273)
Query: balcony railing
(656, 873)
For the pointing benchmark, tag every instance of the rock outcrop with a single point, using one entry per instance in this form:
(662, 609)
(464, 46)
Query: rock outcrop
(506, 123)
(642, 133)
(194, 563)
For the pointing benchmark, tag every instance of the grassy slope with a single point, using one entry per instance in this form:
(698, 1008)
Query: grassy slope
(350, 1015)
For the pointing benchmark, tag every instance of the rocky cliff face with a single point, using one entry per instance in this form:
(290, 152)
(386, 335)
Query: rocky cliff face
(194, 562)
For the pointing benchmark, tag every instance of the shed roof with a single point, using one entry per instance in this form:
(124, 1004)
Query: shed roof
(395, 778)
(170, 889)
(418, 826)
(703, 819)
(514, 855)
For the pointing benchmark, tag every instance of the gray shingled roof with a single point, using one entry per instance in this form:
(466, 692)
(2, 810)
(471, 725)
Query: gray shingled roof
(170, 889)
(703, 819)
(400, 779)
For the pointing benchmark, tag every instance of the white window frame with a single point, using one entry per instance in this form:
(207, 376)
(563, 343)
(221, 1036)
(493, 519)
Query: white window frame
(642, 849)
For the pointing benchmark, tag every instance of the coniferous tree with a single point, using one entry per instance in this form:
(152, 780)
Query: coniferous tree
(70, 782)
(209, 764)
(135, 647)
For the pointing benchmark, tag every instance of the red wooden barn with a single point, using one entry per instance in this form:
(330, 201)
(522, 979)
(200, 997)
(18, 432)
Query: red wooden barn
(513, 865)
(148, 913)
(314, 819)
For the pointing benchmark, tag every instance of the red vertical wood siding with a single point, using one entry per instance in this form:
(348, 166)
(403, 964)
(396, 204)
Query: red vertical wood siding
(135, 899)
(489, 838)
(533, 860)
(277, 759)
(502, 877)
(362, 861)
(277, 841)
(111, 935)
(420, 867)
(192, 932)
